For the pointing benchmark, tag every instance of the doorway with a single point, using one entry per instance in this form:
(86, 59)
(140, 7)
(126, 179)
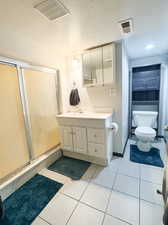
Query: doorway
(144, 92)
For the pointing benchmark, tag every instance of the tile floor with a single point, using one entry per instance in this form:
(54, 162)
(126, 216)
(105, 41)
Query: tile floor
(121, 194)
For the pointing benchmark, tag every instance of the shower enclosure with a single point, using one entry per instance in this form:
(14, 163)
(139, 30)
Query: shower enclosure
(28, 126)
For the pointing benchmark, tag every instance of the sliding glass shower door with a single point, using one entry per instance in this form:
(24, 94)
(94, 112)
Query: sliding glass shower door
(14, 152)
(42, 103)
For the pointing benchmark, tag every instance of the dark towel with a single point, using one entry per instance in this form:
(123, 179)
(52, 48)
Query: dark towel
(74, 97)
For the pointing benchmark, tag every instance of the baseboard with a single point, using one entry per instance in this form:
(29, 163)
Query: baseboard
(118, 154)
(92, 159)
(160, 136)
(121, 154)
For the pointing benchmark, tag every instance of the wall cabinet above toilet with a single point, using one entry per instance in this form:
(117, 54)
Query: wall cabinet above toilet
(99, 66)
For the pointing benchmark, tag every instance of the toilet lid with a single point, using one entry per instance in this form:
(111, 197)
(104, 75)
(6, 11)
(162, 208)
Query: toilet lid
(147, 131)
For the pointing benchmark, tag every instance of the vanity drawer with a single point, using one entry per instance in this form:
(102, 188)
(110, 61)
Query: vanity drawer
(96, 150)
(95, 135)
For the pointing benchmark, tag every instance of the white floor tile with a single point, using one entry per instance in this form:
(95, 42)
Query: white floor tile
(114, 164)
(150, 214)
(109, 220)
(151, 174)
(152, 167)
(124, 207)
(130, 169)
(55, 176)
(74, 189)
(104, 176)
(59, 210)
(96, 196)
(128, 185)
(148, 192)
(39, 221)
(85, 215)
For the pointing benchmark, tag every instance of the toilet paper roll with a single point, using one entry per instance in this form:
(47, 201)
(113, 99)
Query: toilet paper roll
(114, 126)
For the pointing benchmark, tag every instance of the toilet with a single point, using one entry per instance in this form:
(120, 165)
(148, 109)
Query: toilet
(145, 121)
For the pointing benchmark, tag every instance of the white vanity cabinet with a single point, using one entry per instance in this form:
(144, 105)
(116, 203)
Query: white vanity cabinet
(87, 138)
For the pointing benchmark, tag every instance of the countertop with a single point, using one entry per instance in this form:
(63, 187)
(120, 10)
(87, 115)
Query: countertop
(85, 115)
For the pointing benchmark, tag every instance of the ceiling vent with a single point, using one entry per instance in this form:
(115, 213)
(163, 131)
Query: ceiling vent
(126, 26)
(52, 9)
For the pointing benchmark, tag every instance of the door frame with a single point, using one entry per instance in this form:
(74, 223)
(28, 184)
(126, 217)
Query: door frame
(130, 97)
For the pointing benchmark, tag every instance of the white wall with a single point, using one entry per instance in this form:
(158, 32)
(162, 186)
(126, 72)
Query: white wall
(94, 99)
(125, 95)
(100, 99)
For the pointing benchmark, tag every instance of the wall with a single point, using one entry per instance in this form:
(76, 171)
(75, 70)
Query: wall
(94, 99)
(100, 99)
(125, 95)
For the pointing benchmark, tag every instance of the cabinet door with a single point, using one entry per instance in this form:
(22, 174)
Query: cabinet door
(109, 62)
(80, 140)
(97, 66)
(92, 67)
(66, 136)
(87, 72)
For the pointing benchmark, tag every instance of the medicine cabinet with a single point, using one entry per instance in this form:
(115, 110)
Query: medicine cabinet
(99, 66)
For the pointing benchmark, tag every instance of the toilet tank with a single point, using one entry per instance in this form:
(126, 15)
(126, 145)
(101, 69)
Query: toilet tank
(145, 118)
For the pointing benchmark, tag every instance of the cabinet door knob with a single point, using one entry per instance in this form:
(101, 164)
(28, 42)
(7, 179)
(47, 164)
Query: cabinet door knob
(95, 135)
(96, 150)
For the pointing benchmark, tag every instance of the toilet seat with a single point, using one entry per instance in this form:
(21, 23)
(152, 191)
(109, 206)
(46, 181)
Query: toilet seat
(145, 131)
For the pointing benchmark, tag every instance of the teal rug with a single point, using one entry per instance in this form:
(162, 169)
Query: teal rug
(73, 168)
(149, 158)
(25, 204)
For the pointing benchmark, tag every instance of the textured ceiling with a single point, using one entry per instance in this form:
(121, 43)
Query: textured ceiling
(27, 35)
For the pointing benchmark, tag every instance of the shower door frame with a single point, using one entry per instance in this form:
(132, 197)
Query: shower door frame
(20, 66)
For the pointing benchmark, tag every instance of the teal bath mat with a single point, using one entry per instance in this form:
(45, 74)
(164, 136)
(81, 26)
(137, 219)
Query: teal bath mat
(73, 168)
(149, 158)
(25, 204)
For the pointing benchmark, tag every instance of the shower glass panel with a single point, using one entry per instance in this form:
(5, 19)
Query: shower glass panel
(41, 94)
(13, 144)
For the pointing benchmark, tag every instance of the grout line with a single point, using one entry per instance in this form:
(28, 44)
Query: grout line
(124, 193)
(109, 198)
(152, 203)
(129, 176)
(119, 219)
(84, 203)
(147, 181)
(72, 213)
(78, 201)
(43, 220)
(70, 196)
